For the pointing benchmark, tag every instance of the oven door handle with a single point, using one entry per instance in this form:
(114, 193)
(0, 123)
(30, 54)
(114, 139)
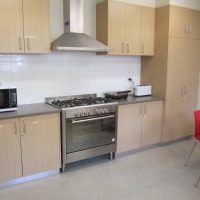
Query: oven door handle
(91, 119)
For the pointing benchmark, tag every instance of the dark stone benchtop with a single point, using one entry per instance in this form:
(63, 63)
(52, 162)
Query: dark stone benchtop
(132, 100)
(43, 108)
(30, 110)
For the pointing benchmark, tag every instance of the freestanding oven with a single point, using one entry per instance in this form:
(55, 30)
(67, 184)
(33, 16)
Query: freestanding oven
(88, 126)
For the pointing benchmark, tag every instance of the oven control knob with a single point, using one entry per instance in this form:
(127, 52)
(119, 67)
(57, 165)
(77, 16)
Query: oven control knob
(82, 114)
(105, 110)
(97, 111)
(90, 112)
(85, 113)
(102, 111)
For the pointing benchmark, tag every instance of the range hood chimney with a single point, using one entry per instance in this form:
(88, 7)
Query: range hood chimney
(73, 38)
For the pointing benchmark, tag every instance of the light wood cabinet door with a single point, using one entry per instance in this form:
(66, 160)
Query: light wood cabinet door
(126, 28)
(184, 22)
(116, 27)
(128, 127)
(11, 22)
(192, 81)
(147, 31)
(178, 21)
(182, 85)
(151, 123)
(40, 141)
(133, 29)
(194, 24)
(36, 26)
(10, 150)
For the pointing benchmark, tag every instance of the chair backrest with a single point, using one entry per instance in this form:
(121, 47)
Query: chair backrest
(197, 124)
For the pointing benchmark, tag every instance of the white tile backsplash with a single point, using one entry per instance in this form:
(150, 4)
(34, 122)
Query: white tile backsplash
(67, 73)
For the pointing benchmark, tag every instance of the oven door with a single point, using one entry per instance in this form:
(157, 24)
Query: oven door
(90, 132)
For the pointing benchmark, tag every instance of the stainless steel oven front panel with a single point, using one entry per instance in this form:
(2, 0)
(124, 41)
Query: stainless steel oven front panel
(89, 132)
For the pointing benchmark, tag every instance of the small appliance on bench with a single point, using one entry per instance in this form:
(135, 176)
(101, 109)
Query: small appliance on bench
(117, 94)
(142, 90)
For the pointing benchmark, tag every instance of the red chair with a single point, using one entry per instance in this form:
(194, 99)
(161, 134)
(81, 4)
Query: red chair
(196, 136)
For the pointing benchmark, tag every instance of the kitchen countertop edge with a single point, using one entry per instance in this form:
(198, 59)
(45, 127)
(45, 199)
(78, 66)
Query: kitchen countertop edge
(133, 100)
(30, 110)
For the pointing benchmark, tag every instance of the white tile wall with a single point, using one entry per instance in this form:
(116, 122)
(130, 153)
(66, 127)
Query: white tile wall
(58, 74)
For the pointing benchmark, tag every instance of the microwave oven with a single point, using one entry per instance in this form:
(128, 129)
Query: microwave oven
(8, 97)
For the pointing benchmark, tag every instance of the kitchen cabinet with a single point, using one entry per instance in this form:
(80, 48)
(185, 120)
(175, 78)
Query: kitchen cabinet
(173, 73)
(127, 28)
(184, 22)
(10, 150)
(24, 26)
(29, 145)
(147, 31)
(139, 125)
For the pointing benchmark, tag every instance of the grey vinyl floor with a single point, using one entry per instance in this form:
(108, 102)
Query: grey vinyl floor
(157, 173)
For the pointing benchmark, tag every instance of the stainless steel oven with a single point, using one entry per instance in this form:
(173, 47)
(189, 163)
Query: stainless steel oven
(88, 127)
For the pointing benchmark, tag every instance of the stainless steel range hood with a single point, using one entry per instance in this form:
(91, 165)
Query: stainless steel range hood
(73, 38)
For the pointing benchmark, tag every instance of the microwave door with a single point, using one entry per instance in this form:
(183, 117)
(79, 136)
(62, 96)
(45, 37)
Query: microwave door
(4, 99)
(13, 98)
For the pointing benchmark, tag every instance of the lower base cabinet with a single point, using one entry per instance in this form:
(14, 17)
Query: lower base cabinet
(29, 145)
(139, 125)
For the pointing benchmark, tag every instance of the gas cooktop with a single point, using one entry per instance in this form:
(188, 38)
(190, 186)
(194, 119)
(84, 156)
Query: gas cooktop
(78, 101)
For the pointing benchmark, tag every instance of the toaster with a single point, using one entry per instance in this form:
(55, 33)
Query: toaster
(142, 90)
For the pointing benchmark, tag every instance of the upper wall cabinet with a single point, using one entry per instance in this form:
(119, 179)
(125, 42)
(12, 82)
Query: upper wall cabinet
(127, 28)
(147, 31)
(24, 26)
(184, 23)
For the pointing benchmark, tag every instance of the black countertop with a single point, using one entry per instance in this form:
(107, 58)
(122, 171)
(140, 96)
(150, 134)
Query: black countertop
(132, 100)
(30, 110)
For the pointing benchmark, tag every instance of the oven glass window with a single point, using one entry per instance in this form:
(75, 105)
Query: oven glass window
(89, 134)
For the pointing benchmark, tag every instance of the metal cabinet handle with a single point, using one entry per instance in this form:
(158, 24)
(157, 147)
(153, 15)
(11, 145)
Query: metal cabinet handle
(128, 46)
(190, 28)
(123, 47)
(20, 43)
(186, 28)
(145, 110)
(28, 43)
(182, 91)
(24, 129)
(142, 47)
(140, 110)
(185, 90)
(15, 128)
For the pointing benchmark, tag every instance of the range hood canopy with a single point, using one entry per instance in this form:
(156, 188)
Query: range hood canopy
(73, 38)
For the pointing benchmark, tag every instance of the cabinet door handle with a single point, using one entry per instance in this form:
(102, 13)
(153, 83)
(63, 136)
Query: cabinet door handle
(145, 110)
(140, 110)
(185, 90)
(15, 128)
(128, 46)
(20, 43)
(123, 47)
(28, 43)
(186, 28)
(182, 91)
(142, 47)
(190, 28)
(24, 127)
